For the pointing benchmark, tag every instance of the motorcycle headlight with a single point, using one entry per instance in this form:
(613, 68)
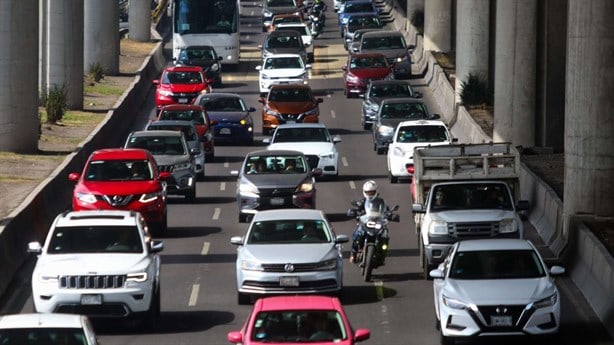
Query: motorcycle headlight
(167, 93)
(315, 19)
(438, 227)
(546, 302)
(398, 152)
(507, 226)
(385, 130)
(149, 197)
(251, 265)
(304, 187)
(181, 166)
(137, 277)
(87, 198)
(327, 265)
(455, 304)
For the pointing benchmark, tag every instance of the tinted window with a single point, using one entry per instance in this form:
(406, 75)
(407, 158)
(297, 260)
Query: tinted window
(118, 170)
(27, 336)
(158, 145)
(287, 135)
(471, 196)
(287, 326)
(289, 231)
(222, 104)
(496, 264)
(95, 239)
(422, 134)
(290, 95)
(196, 116)
(182, 78)
(408, 111)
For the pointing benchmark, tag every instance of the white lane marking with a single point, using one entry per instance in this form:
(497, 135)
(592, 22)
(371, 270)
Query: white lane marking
(194, 295)
(226, 164)
(223, 186)
(330, 95)
(344, 161)
(352, 185)
(247, 37)
(332, 114)
(205, 249)
(216, 213)
(251, 13)
(379, 289)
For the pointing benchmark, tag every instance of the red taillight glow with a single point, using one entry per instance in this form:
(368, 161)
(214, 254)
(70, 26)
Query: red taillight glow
(410, 168)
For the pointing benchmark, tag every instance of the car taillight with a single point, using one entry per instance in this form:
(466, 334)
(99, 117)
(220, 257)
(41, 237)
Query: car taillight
(410, 168)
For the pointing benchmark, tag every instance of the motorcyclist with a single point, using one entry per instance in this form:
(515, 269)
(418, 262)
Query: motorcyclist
(371, 206)
(320, 6)
(317, 10)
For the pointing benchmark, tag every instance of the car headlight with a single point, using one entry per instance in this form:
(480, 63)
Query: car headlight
(303, 75)
(344, 20)
(314, 111)
(246, 187)
(148, 197)
(546, 302)
(327, 155)
(215, 67)
(507, 225)
(136, 277)
(181, 166)
(264, 76)
(352, 78)
(438, 227)
(327, 265)
(251, 265)
(385, 130)
(47, 278)
(374, 107)
(167, 93)
(304, 187)
(454, 303)
(399, 152)
(267, 13)
(87, 198)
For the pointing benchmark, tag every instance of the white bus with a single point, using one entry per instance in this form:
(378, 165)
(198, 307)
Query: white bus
(207, 22)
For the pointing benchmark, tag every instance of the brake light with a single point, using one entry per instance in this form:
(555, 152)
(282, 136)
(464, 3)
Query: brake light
(410, 168)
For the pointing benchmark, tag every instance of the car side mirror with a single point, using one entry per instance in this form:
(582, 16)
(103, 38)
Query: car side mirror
(411, 47)
(344, 68)
(266, 141)
(316, 172)
(156, 246)
(73, 176)
(220, 58)
(308, 66)
(261, 100)
(557, 270)
(258, 68)
(418, 208)
(436, 274)
(342, 239)
(34, 248)
(319, 100)
(417, 94)
(196, 151)
(236, 240)
(336, 139)
(454, 140)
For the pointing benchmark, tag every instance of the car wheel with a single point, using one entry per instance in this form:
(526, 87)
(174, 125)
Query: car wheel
(243, 299)
(218, 83)
(380, 150)
(443, 340)
(190, 196)
(200, 176)
(426, 268)
(149, 320)
(393, 179)
(242, 218)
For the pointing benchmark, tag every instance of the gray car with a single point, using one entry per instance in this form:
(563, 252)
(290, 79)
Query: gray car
(284, 42)
(273, 7)
(392, 44)
(274, 179)
(377, 91)
(288, 251)
(172, 154)
(392, 112)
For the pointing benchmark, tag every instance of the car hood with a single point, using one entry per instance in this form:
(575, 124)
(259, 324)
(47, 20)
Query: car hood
(95, 263)
(282, 9)
(284, 73)
(293, 253)
(171, 159)
(371, 72)
(308, 148)
(184, 88)
(276, 180)
(292, 107)
(392, 122)
(473, 215)
(226, 116)
(499, 291)
(390, 53)
(119, 187)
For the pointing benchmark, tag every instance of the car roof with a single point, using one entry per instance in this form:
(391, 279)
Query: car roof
(283, 33)
(382, 33)
(119, 153)
(41, 320)
(421, 123)
(273, 153)
(177, 106)
(495, 244)
(157, 132)
(402, 100)
(302, 125)
(288, 213)
(97, 217)
(298, 302)
(183, 68)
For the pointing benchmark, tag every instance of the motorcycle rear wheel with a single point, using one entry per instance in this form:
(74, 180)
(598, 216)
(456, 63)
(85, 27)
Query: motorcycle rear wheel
(368, 267)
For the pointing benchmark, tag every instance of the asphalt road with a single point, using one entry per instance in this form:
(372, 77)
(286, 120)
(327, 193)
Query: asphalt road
(198, 289)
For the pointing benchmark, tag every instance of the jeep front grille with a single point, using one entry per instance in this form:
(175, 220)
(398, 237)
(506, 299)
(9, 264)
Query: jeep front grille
(473, 229)
(92, 282)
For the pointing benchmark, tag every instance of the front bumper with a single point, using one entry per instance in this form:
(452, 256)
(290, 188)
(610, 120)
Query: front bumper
(265, 84)
(250, 203)
(181, 182)
(261, 283)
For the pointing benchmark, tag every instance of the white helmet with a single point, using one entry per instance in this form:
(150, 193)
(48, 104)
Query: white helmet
(369, 189)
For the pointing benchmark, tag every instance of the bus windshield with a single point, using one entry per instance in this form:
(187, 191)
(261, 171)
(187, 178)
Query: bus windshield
(205, 16)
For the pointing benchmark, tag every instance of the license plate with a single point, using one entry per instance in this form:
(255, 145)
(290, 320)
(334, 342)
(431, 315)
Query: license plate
(225, 131)
(288, 281)
(183, 100)
(91, 299)
(290, 121)
(277, 201)
(500, 321)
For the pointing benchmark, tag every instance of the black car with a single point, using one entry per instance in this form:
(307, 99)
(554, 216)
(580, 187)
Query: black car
(205, 57)
(378, 90)
(230, 117)
(392, 112)
(393, 45)
(357, 22)
(284, 42)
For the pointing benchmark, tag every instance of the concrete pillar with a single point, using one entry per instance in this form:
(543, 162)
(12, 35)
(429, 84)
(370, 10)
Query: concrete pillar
(438, 25)
(471, 41)
(101, 35)
(139, 20)
(413, 6)
(63, 49)
(515, 72)
(589, 124)
(19, 122)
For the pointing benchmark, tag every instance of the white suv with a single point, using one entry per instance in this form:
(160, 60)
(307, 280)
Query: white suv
(43, 328)
(98, 263)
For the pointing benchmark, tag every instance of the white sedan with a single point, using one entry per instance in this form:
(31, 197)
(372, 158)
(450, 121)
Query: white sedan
(409, 135)
(282, 69)
(313, 139)
(495, 287)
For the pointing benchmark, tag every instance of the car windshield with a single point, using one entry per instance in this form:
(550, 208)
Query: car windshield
(298, 326)
(390, 91)
(159, 145)
(289, 135)
(222, 104)
(408, 111)
(470, 196)
(368, 62)
(197, 54)
(283, 63)
(422, 134)
(299, 28)
(284, 41)
(95, 239)
(63, 335)
(288, 232)
(281, 3)
(290, 95)
(383, 43)
(182, 78)
(280, 164)
(196, 116)
(496, 264)
(360, 21)
(118, 170)
(358, 7)
(188, 132)
(286, 19)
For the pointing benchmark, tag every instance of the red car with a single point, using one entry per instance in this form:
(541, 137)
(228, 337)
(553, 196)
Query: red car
(123, 179)
(199, 117)
(298, 319)
(361, 68)
(181, 84)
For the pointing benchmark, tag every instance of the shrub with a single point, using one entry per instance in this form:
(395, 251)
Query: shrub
(475, 91)
(55, 102)
(96, 72)
(417, 20)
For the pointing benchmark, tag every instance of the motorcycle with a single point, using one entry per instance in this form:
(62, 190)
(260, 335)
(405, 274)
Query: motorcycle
(316, 18)
(373, 244)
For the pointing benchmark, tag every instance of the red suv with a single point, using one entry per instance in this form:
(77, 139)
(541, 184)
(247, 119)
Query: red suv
(181, 84)
(124, 179)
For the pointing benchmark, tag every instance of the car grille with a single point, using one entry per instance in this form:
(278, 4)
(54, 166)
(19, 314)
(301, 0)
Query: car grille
(189, 96)
(281, 268)
(292, 117)
(303, 285)
(313, 161)
(477, 229)
(118, 200)
(517, 312)
(276, 192)
(166, 168)
(92, 282)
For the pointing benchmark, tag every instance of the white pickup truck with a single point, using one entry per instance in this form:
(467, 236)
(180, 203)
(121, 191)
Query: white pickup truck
(464, 191)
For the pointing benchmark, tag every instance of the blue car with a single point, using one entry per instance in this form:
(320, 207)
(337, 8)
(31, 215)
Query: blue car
(355, 7)
(230, 116)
